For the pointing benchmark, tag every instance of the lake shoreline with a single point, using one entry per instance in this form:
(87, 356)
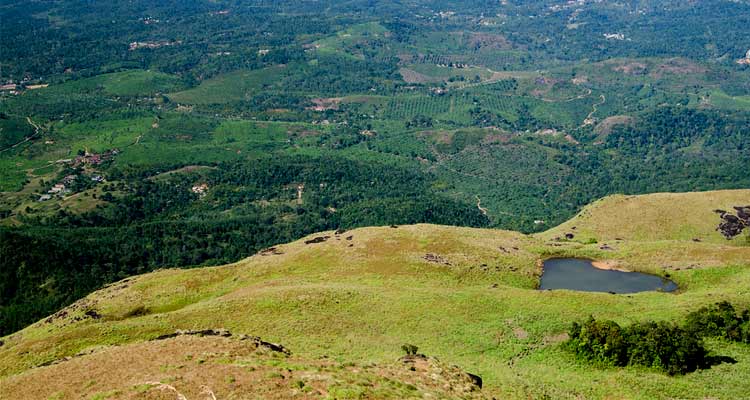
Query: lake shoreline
(608, 266)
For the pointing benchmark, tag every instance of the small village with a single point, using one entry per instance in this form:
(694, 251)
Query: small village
(16, 88)
(82, 163)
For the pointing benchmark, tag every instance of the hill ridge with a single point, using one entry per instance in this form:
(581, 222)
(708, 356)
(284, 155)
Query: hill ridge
(465, 295)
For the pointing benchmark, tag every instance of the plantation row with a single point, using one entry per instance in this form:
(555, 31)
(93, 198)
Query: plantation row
(458, 105)
(496, 59)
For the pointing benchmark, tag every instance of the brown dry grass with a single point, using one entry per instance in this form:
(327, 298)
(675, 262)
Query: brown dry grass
(678, 66)
(190, 367)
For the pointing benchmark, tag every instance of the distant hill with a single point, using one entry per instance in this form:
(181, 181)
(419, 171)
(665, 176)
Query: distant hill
(651, 217)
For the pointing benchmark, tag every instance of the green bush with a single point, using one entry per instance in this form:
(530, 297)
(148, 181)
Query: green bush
(600, 341)
(410, 349)
(666, 346)
(720, 320)
(660, 345)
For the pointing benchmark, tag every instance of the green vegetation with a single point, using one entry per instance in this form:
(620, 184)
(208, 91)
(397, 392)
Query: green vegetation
(142, 135)
(654, 345)
(466, 296)
(720, 320)
(152, 223)
(676, 349)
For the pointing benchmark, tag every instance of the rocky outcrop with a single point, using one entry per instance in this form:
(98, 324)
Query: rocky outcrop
(434, 258)
(254, 340)
(319, 239)
(452, 376)
(732, 225)
(271, 251)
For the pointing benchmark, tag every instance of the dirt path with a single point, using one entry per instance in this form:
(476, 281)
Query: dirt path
(479, 205)
(478, 84)
(579, 97)
(168, 388)
(497, 76)
(300, 190)
(37, 129)
(590, 118)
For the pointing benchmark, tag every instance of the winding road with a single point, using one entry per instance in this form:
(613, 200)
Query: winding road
(589, 118)
(37, 129)
(479, 205)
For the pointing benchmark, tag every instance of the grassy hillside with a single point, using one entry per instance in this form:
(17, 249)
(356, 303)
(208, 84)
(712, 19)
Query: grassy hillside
(344, 303)
(658, 216)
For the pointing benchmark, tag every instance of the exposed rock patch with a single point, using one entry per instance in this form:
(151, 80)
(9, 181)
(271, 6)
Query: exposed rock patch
(608, 124)
(255, 340)
(319, 239)
(732, 225)
(203, 332)
(271, 251)
(434, 258)
(78, 311)
(460, 381)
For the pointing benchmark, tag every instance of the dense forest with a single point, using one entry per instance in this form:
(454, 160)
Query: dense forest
(57, 259)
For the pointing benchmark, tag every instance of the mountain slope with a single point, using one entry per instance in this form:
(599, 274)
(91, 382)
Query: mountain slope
(658, 216)
(465, 296)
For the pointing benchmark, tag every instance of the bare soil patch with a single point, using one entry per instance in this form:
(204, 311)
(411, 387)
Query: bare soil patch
(632, 68)
(608, 265)
(323, 104)
(605, 127)
(678, 66)
(411, 76)
(489, 41)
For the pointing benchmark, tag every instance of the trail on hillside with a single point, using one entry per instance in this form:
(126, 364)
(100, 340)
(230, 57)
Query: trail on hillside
(497, 76)
(166, 387)
(479, 205)
(590, 118)
(300, 190)
(579, 97)
(37, 129)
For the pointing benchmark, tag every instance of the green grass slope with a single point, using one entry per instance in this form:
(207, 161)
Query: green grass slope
(652, 217)
(465, 296)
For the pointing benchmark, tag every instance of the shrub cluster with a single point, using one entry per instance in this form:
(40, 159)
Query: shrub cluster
(720, 320)
(661, 345)
(658, 345)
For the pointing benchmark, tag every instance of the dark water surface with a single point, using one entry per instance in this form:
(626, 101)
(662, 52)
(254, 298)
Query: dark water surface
(579, 274)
